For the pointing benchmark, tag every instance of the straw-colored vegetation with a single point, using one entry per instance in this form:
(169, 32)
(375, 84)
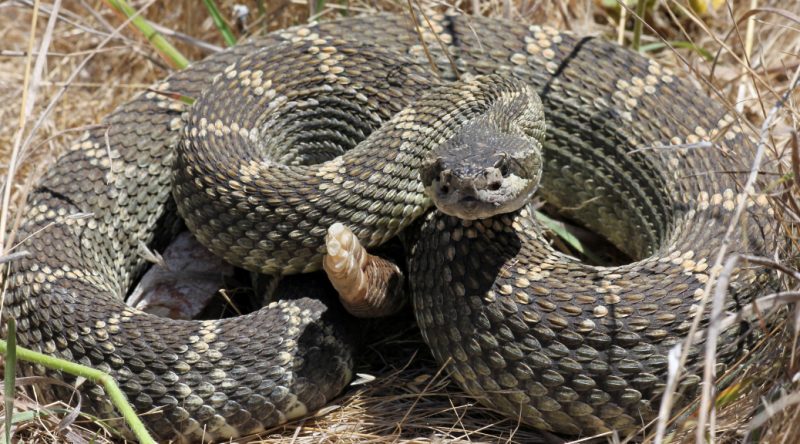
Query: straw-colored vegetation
(747, 52)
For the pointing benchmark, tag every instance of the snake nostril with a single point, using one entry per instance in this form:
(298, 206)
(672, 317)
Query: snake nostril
(494, 177)
(444, 188)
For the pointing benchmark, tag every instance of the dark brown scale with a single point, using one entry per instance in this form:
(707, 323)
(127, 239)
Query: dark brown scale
(536, 335)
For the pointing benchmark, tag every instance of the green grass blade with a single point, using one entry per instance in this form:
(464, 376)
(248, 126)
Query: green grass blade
(23, 417)
(677, 44)
(568, 238)
(167, 51)
(562, 233)
(219, 22)
(638, 23)
(173, 96)
(96, 376)
(10, 375)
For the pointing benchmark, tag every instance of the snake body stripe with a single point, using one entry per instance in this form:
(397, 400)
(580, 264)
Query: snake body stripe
(534, 334)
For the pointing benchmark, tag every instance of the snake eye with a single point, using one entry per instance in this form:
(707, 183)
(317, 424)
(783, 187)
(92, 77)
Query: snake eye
(431, 170)
(502, 165)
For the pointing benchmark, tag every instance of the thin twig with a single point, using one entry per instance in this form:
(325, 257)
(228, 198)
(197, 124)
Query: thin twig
(638, 21)
(23, 117)
(440, 42)
(766, 262)
(425, 390)
(202, 44)
(75, 73)
(424, 44)
(683, 348)
(748, 50)
(770, 409)
(709, 373)
(685, 146)
(623, 17)
(13, 256)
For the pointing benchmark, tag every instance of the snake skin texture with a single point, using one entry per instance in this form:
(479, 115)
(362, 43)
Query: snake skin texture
(539, 336)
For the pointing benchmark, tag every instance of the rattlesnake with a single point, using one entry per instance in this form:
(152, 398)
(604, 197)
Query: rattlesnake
(555, 343)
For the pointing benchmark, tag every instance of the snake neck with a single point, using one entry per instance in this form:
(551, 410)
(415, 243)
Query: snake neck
(246, 205)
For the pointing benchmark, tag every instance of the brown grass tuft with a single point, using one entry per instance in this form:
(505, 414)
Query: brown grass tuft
(410, 398)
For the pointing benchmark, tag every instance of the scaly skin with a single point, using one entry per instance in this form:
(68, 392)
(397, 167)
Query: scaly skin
(560, 345)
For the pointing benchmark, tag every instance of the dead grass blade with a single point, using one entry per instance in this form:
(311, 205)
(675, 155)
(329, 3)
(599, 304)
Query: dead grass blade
(371, 411)
(682, 352)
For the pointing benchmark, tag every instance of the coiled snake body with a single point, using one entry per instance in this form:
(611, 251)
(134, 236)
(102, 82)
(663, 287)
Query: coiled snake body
(561, 345)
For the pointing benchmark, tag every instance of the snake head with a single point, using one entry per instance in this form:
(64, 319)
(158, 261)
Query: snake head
(482, 171)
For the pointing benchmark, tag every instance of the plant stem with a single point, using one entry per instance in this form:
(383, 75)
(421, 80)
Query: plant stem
(638, 22)
(167, 51)
(96, 376)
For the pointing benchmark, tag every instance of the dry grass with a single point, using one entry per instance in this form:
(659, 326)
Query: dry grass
(410, 399)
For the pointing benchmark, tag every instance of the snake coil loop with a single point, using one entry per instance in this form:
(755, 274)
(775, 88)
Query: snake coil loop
(532, 333)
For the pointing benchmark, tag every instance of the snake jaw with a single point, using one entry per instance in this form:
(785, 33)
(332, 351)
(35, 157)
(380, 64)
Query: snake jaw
(482, 172)
(478, 197)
